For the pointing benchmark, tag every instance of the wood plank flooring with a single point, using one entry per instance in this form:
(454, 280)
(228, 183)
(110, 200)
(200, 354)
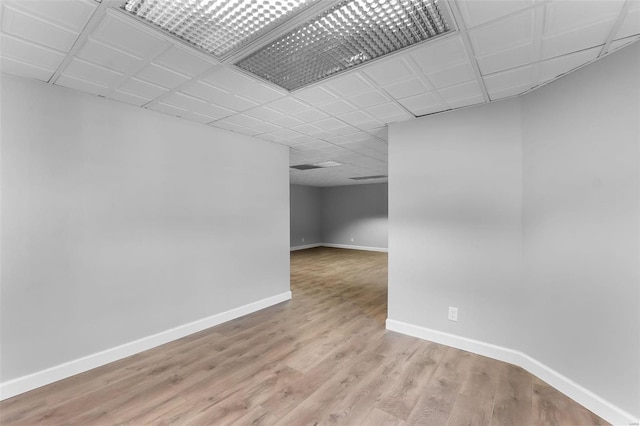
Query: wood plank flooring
(322, 358)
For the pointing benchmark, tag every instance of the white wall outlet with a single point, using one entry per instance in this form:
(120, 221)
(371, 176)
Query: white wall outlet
(453, 313)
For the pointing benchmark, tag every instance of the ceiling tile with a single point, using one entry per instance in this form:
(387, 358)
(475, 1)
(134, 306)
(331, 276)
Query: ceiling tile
(217, 96)
(288, 121)
(389, 112)
(128, 37)
(369, 99)
(222, 124)
(183, 62)
(356, 117)
(406, 88)
(142, 88)
(426, 103)
(508, 92)
(288, 105)
(70, 14)
(562, 16)
(555, 67)
(464, 102)
(337, 108)
(518, 77)
(265, 113)
(196, 105)
(329, 123)
(11, 66)
(307, 129)
(631, 24)
(261, 93)
(128, 98)
(461, 91)
(344, 130)
(388, 72)
(82, 85)
(161, 76)
(504, 34)
(475, 12)
(29, 53)
(109, 57)
(310, 115)
(90, 72)
(348, 84)
(451, 76)
(243, 120)
(316, 96)
(440, 54)
(28, 27)
(617, 44)
(508, 58)
(168, 109)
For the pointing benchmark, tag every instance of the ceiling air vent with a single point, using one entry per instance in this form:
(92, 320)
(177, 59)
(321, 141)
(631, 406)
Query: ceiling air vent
(369, 177)
(305, 167)
(321, 165)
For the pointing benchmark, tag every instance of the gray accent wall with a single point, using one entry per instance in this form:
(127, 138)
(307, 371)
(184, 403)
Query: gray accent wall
(353, 215)
(306, 215)
(524, 214)
(120, 222)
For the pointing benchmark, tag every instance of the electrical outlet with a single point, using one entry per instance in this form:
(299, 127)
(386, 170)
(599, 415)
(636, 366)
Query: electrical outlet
(453, 313)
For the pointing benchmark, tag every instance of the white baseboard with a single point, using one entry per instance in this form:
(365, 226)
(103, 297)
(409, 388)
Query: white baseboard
(306, 246)
(353, 247)
(62, 371)
(581, 395)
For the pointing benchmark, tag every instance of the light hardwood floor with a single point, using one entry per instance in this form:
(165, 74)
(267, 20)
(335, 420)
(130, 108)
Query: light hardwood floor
(322, 358)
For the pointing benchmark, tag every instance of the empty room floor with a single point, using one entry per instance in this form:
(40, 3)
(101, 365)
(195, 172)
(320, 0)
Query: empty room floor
(322, 358)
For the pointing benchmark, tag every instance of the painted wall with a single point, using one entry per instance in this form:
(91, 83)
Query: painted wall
(118, 222)
(581, 232)
(306, 215)
(355, 215)
(524, 214)
(455, 221)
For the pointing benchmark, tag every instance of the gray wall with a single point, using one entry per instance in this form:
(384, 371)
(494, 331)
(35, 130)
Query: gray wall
(525, 215)
(118, 223)
(581, 226)
(306, 215)
(353, 215)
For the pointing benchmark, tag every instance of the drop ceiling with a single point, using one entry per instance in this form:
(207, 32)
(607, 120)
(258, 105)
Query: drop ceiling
(497, 50)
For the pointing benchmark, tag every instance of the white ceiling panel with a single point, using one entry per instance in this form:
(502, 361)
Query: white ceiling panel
(389, 112)
(617, 44)
(70, 14)
(348, 85)
(191, 103)
(265, 113)
(169, 109)
(128, 36)
(631, 23)
(217, 96)
(461, 91)
(310, 115)
(316, 95)
(30, 53)
(161, 76)
(221, 124)
(582, 38)
(307, 129)
(504, 34)
(142, 88)
(564, 16)
(11, 66)
(465, 102)
(440, 54)
(29, 27)
(288, 122)
(356, 117)
(507, 79)
(128, 98)
(368, 99)
(77, 83)
(476, 12)
(288, 105)
(183, 62)
(344, 130)
(90, 72)
(109, 57)
(452, 76)
(329, 124)
(425, 103)
(388, 72)
(337, 108)
(406, 88)
(508, 58)
(554, 67)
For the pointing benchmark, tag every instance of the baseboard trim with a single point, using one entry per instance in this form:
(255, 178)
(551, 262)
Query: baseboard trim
(354, 247)
(583, 396)
(41, 378)
(306, 246)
